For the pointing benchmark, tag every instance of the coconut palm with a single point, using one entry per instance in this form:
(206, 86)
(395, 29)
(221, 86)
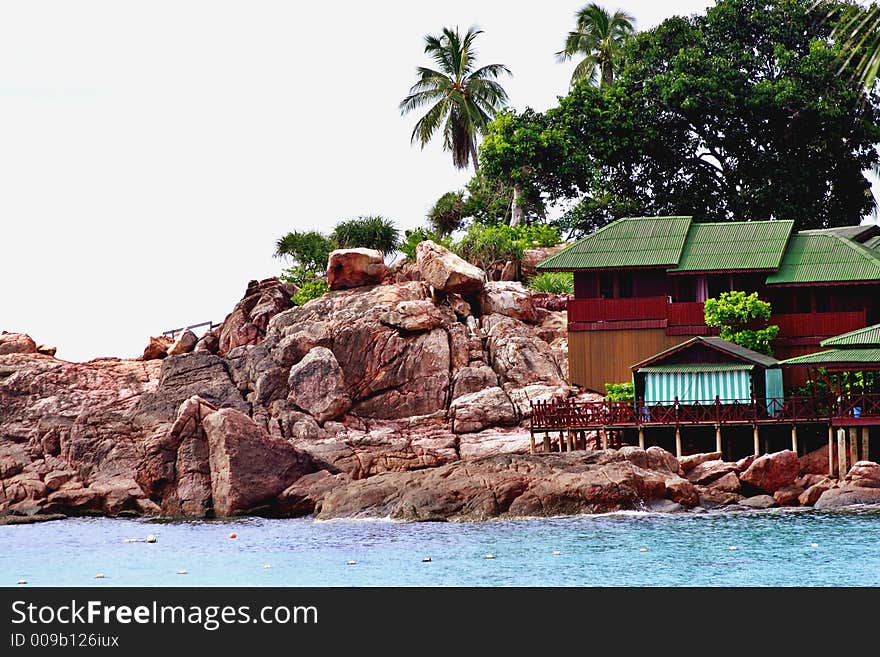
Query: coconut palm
(463, 99)
(598, 36)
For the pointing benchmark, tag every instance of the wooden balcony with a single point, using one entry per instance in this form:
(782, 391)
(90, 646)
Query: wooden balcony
(616, 310)
(817, 325)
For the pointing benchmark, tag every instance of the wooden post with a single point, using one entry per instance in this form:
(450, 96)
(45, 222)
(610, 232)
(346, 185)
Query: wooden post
(678, 441)
(570, 442)
(604, 438)
(841, 453)
(642, 437)
(866, 439)
(853, 446)
(830, 451)
(531, 442)
(546, 443)
(718, 438)
(794, 443)
(757, 440)
(561, 443)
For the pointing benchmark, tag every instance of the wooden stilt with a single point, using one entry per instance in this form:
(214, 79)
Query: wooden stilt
(830, 451)
(718, 438)
(678, 441)
(757, 440)
(561, 442)
(794, 442)
(866, 439)
(642, 437)
(531, 442)
(570, 442)
(546, 443)
(604, 438)
(841, 453)
(853, 446)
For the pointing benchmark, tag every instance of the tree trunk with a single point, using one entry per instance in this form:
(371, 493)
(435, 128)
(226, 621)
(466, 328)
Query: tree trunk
(516, 213)
(474, 157)
(607, 74)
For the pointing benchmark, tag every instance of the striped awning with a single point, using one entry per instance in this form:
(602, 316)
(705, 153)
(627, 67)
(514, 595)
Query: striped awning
(700, 386)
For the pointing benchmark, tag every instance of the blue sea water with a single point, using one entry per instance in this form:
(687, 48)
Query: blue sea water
(773, 548)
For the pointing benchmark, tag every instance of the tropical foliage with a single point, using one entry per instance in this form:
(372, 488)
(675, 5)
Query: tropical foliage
(414, 236)
(553, 282)
(740, 113)
(735, 313)
(369, 232)
(487, 245)
(598, 37)
(617, 392)
(308, 251)
(461, 98)
(310, 290)
(447, 213)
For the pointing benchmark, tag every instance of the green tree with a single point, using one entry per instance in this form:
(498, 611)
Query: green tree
(858, 30)
(598, 36)
(447, 214)
(368, 232)
(737, 114)
(463, 99)
(736, 313)
(308, 251)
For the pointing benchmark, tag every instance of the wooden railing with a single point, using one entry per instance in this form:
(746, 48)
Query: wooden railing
(565, 414)
(603, 310)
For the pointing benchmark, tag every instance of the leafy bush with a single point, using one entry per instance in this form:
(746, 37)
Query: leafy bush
(309, 252)
(616, 392)
(485, 245)
(553, 282)
(447, 214)
(413, 237)
(733, 312)
(369, 232)
(309, 291)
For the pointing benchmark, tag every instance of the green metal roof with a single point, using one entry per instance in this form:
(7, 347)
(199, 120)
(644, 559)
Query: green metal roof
(731, 348)
(704, 367)
(734, 245)
(867, 337)
(873, 243)
(822, 256)
(835, 356)
(850, 232)
(631, 242)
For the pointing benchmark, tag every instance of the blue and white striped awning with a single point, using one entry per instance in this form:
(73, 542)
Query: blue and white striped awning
(666, 383)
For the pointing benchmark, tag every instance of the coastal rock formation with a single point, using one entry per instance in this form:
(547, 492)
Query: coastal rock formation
(247, 323)
(317, 385)
(184, 344)
(771, 472)
(510, 299)
(157, 348)
(16, 343)
(355, 268)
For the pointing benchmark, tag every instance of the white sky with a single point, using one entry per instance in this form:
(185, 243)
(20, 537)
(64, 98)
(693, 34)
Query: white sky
(152, 152)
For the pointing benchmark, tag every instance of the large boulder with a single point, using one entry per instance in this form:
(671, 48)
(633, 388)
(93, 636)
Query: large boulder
(517, 355)
(157, 348)
(316, 384)
(836, 498)
(184, 344)
(445, 271)
(770, 472)
(864, 474)
(248, 467)
(708, 471)
(16, 343)
(478, 410)
(816, 462)
(304, 496)
(690, 462)
(532, 257)
(473, 379)
(249, 320)
(812, 494)
(348, 268)
(509, 299)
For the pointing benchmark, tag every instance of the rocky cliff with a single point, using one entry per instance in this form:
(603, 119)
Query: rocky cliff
(404, 393)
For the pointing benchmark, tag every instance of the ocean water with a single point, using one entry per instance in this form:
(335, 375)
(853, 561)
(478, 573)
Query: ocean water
(772, 548)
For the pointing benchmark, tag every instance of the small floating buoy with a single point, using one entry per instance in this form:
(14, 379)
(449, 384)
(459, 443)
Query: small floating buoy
(427, 560)
(489, 556)
(182, 572)
(351, 562)
(814, 545)
(151, 539)
(732, 548)
(267, 565)
(100, 576)
(233, 535)
(556, 553)
(21, 581)
(643, 549)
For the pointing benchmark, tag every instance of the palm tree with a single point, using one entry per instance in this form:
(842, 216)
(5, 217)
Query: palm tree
(857, 28)
(599, 36)
(463, 99)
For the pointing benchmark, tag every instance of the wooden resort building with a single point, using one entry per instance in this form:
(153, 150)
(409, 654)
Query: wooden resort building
(640, 285)
(637, 315)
